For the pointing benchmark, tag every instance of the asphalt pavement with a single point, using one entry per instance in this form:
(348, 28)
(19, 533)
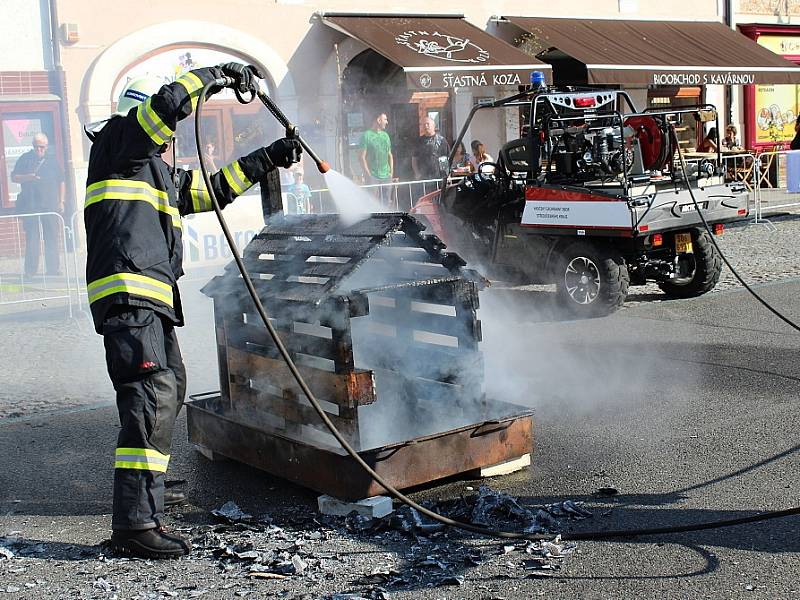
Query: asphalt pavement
(687, 408)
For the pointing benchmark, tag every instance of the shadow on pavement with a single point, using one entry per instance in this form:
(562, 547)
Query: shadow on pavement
(47, 550)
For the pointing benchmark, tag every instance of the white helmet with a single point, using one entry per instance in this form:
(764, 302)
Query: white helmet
(137, 91)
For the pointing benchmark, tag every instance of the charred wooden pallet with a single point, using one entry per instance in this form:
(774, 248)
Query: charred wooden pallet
(380, 319)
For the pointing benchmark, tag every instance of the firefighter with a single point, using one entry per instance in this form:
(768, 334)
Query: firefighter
(134, 203)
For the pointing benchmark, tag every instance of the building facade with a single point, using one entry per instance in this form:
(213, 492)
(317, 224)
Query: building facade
(327, 80)
(768, 112)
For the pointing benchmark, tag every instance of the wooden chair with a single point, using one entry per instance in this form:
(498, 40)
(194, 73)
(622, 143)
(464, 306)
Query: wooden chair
(743, 171)
(767, 160)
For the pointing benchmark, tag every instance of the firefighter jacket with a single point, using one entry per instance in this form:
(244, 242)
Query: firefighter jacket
(134, 202)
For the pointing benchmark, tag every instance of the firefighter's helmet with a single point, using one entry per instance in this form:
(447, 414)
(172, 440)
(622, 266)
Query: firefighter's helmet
(137, 91)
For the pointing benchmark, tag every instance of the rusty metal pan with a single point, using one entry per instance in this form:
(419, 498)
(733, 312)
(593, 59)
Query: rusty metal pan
(331, 471)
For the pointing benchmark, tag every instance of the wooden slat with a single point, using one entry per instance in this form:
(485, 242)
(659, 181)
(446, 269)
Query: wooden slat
(283, 264)
(298, 267)
(466, 312)
(222, 353)
(449, 365)
(346, 389)
(331, 224)
(286, 415)
(444, 393)
(316, 247)
(291, 311)
(240, 334)
(286, 291)
(412, 252)
(406, 271)
(460, 327)
(440, 293)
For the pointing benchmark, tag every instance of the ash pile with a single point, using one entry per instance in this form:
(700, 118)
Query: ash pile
(382, 323)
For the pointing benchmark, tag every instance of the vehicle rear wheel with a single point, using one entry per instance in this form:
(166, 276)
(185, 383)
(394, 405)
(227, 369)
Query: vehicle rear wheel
(592, 279)
(707, 269)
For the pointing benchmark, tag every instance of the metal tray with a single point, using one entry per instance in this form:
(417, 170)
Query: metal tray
(331, 471)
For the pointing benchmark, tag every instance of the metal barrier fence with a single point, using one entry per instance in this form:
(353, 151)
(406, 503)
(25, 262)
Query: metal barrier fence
(397, 196)
(44, 248)
(743, 167)
(77, 233)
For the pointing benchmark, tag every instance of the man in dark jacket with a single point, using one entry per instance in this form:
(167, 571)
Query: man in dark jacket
(133, 209)
(42, 182)
(430, 147)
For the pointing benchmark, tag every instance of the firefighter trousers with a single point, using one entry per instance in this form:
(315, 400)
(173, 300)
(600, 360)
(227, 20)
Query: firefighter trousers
(145, 365)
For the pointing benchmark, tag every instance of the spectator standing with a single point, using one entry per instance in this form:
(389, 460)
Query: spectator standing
(430, 147)
(480, 156)
(42, 181)
(299, 195)
(376, 155)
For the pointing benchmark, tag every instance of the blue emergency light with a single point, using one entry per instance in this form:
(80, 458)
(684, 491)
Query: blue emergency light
(537, 79)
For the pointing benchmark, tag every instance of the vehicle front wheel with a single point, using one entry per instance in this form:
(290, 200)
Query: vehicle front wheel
(707, 269)
(592, 279)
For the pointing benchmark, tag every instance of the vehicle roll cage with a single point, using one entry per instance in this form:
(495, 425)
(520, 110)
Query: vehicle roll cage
(536, 100)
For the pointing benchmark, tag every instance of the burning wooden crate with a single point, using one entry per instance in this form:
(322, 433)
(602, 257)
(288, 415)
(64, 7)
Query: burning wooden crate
(382, 324)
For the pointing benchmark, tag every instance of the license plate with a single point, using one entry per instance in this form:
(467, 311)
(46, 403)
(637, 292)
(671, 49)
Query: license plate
(683, 243)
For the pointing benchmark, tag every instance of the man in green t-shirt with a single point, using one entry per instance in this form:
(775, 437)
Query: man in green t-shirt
(376, 157)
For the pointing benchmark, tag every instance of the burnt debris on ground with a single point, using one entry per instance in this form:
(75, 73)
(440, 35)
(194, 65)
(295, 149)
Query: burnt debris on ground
(420, 553)
(326, 553)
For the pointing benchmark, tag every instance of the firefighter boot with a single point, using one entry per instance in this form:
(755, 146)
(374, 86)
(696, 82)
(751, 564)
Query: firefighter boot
(172, 495)
(149, 543)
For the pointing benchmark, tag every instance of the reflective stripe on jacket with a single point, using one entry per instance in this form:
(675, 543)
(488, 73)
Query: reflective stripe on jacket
(133, 208)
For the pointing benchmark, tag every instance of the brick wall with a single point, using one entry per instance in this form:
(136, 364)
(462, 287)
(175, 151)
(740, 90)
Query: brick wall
(21, 83)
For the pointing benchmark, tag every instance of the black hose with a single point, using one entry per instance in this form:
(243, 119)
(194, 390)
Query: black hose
(485, 531)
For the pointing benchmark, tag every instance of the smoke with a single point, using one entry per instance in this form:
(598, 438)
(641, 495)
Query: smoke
(568, 370)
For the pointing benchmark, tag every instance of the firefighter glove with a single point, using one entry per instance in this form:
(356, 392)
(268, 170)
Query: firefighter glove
(283, 153)
(244, 76)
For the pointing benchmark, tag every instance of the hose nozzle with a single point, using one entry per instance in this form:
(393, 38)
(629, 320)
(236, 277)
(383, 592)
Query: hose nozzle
(323, 166)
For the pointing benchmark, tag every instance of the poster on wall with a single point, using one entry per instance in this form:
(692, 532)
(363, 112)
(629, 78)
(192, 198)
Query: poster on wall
(776, 106)
(776, 111)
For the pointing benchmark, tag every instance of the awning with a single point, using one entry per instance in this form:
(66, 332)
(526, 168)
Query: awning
(627, 52)
(440, 52)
